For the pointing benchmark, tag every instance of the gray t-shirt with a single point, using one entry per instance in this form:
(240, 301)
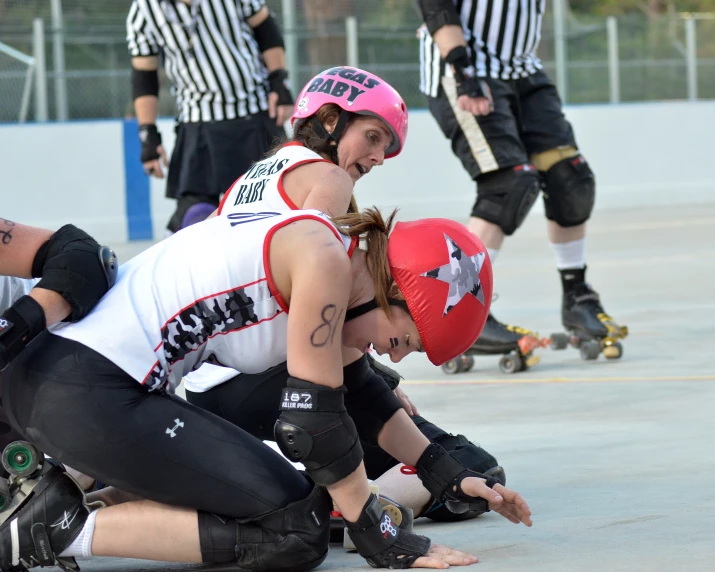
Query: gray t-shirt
(12, 288)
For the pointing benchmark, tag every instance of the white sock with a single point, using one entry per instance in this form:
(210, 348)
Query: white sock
(570, 254)
(493, 252)
(82, 545)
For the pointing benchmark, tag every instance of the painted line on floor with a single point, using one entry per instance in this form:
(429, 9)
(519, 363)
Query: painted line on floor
(517, 380)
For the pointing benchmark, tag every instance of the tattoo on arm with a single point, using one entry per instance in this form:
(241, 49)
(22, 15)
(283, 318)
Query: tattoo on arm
(6, 235)
(325, 332)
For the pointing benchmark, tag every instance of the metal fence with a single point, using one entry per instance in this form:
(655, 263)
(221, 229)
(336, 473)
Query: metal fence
(67, 59)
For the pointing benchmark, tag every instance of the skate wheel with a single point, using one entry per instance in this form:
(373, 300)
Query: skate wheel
(559, 341)
(5, 496)
(531, 361)
(589, 349)
(452, 366)
(22, 459)
(467, 363)
(511, 363)
(613, 351)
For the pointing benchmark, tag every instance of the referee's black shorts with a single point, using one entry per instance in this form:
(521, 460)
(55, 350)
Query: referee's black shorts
(527, 119)
(208, 157)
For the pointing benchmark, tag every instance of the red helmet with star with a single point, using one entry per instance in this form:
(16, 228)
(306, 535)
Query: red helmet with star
(444, 272)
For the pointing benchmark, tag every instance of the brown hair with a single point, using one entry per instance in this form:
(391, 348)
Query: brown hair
(374, 231)
(306, 134)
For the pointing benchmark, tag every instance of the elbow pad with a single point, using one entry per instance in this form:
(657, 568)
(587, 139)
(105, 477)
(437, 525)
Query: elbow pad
(438, 13)
(315, 429)
(268, 35)
(75, 266)
(144, 82)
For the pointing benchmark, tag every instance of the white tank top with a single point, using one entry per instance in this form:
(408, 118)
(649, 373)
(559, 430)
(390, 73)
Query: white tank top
(204, 294)
(261, 187)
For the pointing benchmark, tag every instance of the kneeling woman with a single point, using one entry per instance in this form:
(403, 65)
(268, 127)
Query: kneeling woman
(246, 291)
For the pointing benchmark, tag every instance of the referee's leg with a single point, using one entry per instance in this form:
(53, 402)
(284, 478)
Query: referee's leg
(491, 151)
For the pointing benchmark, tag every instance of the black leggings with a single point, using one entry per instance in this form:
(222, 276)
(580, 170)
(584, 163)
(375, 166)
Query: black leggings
(252, 402)
(83, 410)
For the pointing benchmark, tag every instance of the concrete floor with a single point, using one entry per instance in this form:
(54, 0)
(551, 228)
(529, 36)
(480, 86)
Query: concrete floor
(614, 457)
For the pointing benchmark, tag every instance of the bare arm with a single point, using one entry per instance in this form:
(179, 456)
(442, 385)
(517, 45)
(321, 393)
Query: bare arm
(146, 106)
(19, 244)
(449, 37)
(321, 186)
(473, 95)
(313, 273)
(274, 58)
(280, 100)
(401, 438)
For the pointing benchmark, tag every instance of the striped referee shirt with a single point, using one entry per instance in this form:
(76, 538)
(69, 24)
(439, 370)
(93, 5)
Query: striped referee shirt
(502, 36)
(209, 53)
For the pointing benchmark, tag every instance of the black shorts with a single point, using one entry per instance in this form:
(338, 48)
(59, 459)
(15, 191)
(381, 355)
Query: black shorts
(208, 157)
(83, 410)
(527, 119)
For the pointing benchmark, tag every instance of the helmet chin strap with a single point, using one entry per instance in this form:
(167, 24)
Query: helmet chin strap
(371, 305)
(335, 135)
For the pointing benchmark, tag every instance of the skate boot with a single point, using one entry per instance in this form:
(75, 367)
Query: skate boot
(44, 512)
(589, 327)
(516, 345)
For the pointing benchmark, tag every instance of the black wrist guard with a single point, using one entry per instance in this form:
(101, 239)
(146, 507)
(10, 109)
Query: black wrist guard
(464, 73)
(75, 266)
(442, 475)
(278, 82)
(315, 429)
(150, 139)
(381, 542)
(19, 325)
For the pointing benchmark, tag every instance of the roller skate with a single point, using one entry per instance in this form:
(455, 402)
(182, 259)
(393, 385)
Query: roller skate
(42, 511)
(589, 328)
(516, 345)
(400, 515)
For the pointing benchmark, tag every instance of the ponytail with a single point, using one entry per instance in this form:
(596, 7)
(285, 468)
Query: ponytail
(374, 231)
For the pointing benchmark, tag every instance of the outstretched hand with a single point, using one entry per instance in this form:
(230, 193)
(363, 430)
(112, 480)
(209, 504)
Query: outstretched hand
(502, 500)
(443, 557)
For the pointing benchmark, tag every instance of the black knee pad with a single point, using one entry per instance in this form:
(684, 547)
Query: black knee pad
(569, 191)
(291, 539)
(505, 197)
(470, 455)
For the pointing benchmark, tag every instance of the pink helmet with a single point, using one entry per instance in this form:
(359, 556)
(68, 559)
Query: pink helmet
(356, 91)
